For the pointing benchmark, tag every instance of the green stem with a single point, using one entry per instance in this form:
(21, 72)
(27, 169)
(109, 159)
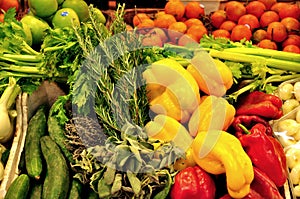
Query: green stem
(246, 131)
(244, 89)
(22, 69)
(29, 50)
(23, 58)
(266, 53)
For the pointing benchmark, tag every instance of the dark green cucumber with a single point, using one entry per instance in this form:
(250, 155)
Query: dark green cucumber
(37, 127)
(35, 191)
(19, 188)
(57, 180)
(76, 189)
(57, 133)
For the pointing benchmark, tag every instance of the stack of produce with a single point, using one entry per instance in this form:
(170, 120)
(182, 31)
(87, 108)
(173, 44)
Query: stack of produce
(267, 24)
(190, 115)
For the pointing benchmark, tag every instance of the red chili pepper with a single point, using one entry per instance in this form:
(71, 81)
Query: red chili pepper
(264, 154)
(249, 121)
(261, 104)
(263, 185)
(193, 182)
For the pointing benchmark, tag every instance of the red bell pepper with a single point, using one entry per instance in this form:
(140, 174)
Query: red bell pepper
(193, 182)
(263, 185)
(263, 154)
(252, 195)
(261, 104)
(249, 121)
(261, 188)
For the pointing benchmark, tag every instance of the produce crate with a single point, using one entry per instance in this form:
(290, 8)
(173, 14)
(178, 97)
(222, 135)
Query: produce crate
(26, 105)
(11, 170)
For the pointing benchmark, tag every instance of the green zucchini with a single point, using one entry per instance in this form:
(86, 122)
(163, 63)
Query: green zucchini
(76, 189)
(19, 188)
(57, 133)
(57, 180)
(37, 127)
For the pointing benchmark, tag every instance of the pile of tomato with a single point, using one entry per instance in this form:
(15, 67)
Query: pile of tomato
(268, 23)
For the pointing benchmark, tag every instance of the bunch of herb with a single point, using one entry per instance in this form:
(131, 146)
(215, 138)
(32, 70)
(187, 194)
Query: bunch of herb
(109, 110)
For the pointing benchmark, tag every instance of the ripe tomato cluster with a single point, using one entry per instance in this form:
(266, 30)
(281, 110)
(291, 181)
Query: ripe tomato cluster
(177, 23)
(267, 23)
(5, 5)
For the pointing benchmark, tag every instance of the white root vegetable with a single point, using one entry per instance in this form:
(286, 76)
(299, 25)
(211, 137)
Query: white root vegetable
(295, 174)
(297, 90)
(292, 156)
(289, 126)
(289, 105)
(6, 101)
(297, 190)
(285, 91)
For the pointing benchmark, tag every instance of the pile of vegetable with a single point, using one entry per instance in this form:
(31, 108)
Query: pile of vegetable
(141, 121)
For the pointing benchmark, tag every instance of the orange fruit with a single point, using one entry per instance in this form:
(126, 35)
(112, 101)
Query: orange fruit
(159, 13)
(279, 6)
(292, 39)
(146, 23)
(175, 8)
(268, 3)
(176, 30)
(164, 21)
(221, 33)
(256, 8)
(291, 24)
(138, 18)
(249, 19)
(291, 48)
(291, 10)
(240, 32)
(234, 10)
(277, 31)
(198, 31)
(10, 4)
(259, 35)
(194, 9)
(267, 43)
(217, 18)
(268, 17)
(228, 25)
(193, 21)
(186, 39)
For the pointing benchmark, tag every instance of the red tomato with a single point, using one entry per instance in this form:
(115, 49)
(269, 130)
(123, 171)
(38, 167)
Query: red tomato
(256, 8)
(234, 10)
(240, 32)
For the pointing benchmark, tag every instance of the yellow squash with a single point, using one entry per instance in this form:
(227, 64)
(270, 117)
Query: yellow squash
(213, 113)
(213, 76)
(219, 152)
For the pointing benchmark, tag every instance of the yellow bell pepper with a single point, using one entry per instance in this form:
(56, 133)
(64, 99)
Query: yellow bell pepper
(171, 90)
(213, 76)
(219, 152)
(167, 129)
(213, 113)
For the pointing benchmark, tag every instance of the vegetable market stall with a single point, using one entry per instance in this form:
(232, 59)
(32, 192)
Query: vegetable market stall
(116, 142)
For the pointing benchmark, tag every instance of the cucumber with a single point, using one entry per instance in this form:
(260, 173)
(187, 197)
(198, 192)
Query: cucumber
(19, 188)
(57, 180)
(35, 191)
(57, 133)
(37, 127)
(76, 189)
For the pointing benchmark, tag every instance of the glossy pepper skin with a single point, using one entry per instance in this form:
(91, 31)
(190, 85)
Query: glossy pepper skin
(220, 152)
(252, 195)
(193, 182)
(261, 104)
(249, 121)
(263, 185)
(213, 113)
(264, 154)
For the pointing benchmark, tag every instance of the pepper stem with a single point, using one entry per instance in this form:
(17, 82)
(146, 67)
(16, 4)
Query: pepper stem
(246, 131)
